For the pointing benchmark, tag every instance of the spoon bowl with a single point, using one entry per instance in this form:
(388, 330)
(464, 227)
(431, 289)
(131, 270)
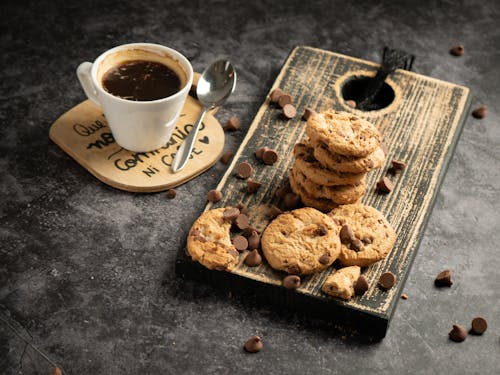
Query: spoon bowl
(217, 82)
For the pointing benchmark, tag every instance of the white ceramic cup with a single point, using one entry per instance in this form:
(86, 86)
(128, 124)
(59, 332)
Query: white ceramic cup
(139, 126)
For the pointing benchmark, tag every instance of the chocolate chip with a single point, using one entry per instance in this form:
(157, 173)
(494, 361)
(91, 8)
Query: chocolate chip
(214, 196)
(443, 279)
(253, 241)
(324, 259)
(480, 112)
(351, 103)
(56, 371)
(367, 240)
(232, 124)
(231, 214)
(457, 50)
(259, 153)
(387, 280)
(240, 243)
(385, 186)
(308, 112)
(242, 221)
(275, 95)
(458, 333)
(281, 192)
(233, 252)
(321, 230)
(356, 245)
(171, 193)
(270, 157)
(404, 296)
(361, 285)
(243, 209)
(293, 269)
(479, 325)
(291, 200)
(253, 186)
(284, 100)
(244, 169)
(248, 231)
(253, 344)
(227, 157)
(253, 259)
(195, 232)
(398, 165)
(289, 111)
(291, 282)
(346, 234)
(274, 211)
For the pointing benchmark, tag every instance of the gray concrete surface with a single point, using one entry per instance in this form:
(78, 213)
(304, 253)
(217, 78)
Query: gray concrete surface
(88, 271)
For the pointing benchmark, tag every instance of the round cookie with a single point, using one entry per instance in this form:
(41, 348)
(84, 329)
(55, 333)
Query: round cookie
(344, 133)
(341, 194)
(321, 204)
(301, 241)
(349, 164)
(317, 173)
(373, 233)
(209, 241)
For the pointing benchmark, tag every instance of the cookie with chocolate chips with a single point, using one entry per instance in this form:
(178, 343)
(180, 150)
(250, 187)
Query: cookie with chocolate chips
(301, 241)
(366, 235)
(343, 133)
(321, 204)
(209, 241)
(341, 283)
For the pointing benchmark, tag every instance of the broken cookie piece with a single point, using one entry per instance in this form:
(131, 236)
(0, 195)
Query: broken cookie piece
(341, 283)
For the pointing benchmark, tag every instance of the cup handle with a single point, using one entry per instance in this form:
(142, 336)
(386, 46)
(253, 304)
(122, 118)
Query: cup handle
(83, 73)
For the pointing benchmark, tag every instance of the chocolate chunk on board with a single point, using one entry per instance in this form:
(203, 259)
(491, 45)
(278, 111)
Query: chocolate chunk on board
(214, 196)
(253, 186)
(284, 100)
(275, 95)
(385, 186)
(361, 285)
(308, 112)
(480, 112)
(289, 111)
(387, 280)
(240, 243)
(242, 221)
(253, 259)
(244, 170)
(457, 50)
(231, 214)
(270, 157)
(291, 282)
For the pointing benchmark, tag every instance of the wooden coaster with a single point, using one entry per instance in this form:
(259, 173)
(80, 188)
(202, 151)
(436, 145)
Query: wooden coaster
(421, 127)
(83, 133)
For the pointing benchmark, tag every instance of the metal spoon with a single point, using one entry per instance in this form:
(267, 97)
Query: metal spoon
(214, 86)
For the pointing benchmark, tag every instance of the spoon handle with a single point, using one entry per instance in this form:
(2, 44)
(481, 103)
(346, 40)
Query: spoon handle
(182, 155)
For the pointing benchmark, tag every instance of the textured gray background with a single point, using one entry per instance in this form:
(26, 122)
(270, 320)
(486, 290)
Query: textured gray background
(87, 270)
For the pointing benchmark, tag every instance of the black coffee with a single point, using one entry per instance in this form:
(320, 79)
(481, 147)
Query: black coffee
(141, 80)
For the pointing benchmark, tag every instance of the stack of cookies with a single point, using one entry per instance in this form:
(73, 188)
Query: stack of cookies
(330, 167)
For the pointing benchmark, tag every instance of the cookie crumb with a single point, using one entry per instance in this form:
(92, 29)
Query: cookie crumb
(404, 296)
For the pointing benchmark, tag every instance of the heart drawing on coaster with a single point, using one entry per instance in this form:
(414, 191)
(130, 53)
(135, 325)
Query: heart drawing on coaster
(204, 140)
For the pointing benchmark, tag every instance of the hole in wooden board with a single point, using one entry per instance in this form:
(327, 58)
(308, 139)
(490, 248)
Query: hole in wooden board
(355, 87)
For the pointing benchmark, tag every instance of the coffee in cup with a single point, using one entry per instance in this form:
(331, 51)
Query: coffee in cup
(141, 88)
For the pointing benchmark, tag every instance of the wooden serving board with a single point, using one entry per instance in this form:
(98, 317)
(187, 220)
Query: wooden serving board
(83, 133)
(420, 127)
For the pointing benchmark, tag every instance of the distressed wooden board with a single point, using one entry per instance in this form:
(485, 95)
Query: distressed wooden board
(83, 133)
(420, 127)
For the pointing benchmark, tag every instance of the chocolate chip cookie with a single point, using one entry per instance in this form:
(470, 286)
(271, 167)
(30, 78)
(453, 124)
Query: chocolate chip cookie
(341, 194)
(209, 241)
(343, 133)
(341, 282)
(366, 235)
(321, 204)
(314, 171)
(301, 241)
(348, 164)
